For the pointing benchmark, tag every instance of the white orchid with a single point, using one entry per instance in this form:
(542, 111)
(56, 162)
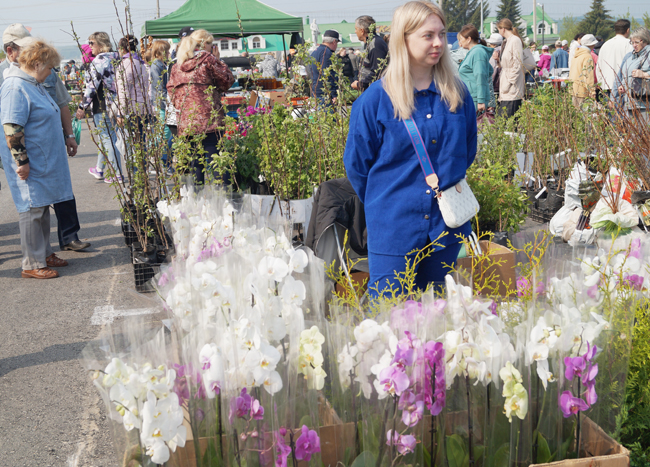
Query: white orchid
(273, 268)
(297, 260)
(293, 291)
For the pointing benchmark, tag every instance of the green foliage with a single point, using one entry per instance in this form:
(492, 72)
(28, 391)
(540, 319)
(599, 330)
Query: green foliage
(365, 459)
(503, 206)
(461, 12)
(635, 429)
(569, 27)
(511, 9)
(634, 23)
(598, 21)
(646, 20)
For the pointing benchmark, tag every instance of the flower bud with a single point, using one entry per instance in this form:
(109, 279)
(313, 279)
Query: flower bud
(282, 431)
(243, 436)
(254, 434)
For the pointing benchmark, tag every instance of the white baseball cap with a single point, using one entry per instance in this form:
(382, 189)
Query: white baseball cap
(565, 42)
(495, 39)
(18, 34)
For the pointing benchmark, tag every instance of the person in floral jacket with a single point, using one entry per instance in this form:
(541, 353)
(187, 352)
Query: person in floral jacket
(99, 94)
(197, 70)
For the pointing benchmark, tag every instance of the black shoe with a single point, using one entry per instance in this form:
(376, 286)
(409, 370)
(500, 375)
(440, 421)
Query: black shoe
(76, 245)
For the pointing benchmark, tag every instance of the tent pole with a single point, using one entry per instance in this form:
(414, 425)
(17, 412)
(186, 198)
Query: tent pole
(286, 61)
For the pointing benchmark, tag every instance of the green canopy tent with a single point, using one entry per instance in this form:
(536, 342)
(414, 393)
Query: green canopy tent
(219, 18)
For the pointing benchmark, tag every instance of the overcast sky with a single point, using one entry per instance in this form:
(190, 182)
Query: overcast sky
(51, 18)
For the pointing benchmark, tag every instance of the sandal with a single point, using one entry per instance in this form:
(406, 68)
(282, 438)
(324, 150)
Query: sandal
(53, 261)
(42, 273)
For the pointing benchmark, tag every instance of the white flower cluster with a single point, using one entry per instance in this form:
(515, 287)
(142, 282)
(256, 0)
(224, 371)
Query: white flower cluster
(513, 390)
(236, 284)
(310, 362)
(374, 350)
(476, 344)
(144, 399)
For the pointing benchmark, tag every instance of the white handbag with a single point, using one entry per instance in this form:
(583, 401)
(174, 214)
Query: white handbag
(457, 204)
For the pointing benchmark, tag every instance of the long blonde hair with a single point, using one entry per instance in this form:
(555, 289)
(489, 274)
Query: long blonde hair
(191, 43)
(398, 82)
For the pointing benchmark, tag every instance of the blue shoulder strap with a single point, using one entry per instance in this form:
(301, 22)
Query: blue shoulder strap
(422, 153)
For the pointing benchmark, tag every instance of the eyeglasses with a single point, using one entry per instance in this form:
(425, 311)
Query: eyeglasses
(91, 43)
(637, 42)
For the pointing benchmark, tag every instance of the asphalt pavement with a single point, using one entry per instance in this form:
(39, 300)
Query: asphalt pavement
(50, 413)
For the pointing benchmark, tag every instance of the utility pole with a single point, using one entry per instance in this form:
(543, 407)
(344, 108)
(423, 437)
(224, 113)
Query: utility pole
(544, 20)
(535, 21)
(157, 8)
(481, 35)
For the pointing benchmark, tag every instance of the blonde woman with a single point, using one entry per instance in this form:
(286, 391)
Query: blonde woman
(99, 94)
(197, 70)
(511, 60)
(419, 83)
(34, 155)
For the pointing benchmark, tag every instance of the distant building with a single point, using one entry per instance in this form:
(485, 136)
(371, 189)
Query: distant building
(263, 43)
(546, 27)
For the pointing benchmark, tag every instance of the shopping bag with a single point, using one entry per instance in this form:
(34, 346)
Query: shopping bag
(76, 129)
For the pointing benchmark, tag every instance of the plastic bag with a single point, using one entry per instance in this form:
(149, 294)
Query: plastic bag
(556, 224)
(76, 129)
(626, 216)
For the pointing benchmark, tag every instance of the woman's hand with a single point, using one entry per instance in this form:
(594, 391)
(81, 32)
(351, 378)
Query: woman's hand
(23, 171)
(480, 107)
(640, 74)
(621, 90)
(80, 114)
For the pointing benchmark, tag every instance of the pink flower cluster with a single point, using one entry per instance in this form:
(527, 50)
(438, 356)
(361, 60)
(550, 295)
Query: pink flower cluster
(524, 287)
(424, 388)
(245, 406)
(307, 444)
(586, 370)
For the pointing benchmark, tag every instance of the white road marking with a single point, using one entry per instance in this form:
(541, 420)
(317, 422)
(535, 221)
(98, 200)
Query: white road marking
(106, 314)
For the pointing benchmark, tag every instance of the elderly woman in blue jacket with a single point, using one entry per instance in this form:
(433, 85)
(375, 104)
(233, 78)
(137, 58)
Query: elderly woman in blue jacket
(475, 69)
(636, 64)
(34, 157)
(402, 213)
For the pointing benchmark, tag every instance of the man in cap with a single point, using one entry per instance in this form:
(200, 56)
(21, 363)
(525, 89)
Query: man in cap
(560, 58)
(321, 61)
(376, 52)
(611, 56)
(13, 38)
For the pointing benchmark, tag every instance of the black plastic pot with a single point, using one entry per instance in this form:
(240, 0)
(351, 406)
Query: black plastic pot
(146, 264)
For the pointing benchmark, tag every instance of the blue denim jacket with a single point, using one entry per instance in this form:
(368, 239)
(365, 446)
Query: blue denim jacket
(384, 170)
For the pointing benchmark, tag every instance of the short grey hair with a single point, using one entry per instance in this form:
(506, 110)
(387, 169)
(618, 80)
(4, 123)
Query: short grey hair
(329, 40)
(641, 33)
(10, 44)
(364, 22)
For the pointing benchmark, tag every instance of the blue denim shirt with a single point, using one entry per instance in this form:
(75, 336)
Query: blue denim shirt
(25, 102)
(384, 170)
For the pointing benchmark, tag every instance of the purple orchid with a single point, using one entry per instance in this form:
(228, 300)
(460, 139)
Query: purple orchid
(403, 443)
(405, 353)
(257, 411)
(635, 249)
(434, 354)
(412, 414)
(283, 450)
(240, 406)
(308, 443)
(592, 292)
(590, 394)
(574, 367)
(633, 280)
(571, 405)
(523, 286)
(181, 386)
(394, 380)
(199, 415)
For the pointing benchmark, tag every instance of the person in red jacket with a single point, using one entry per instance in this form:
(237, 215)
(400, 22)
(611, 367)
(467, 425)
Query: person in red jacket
(197, 70)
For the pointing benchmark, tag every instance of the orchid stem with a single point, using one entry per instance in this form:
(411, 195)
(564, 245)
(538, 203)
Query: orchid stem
(578, 427)
(434, 445)
(469, 423)
(354, 417)
(382, 442)
(237, 453)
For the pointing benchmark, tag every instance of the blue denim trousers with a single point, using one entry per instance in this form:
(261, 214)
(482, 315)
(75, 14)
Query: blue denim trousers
(107, 140)
(430, 269)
